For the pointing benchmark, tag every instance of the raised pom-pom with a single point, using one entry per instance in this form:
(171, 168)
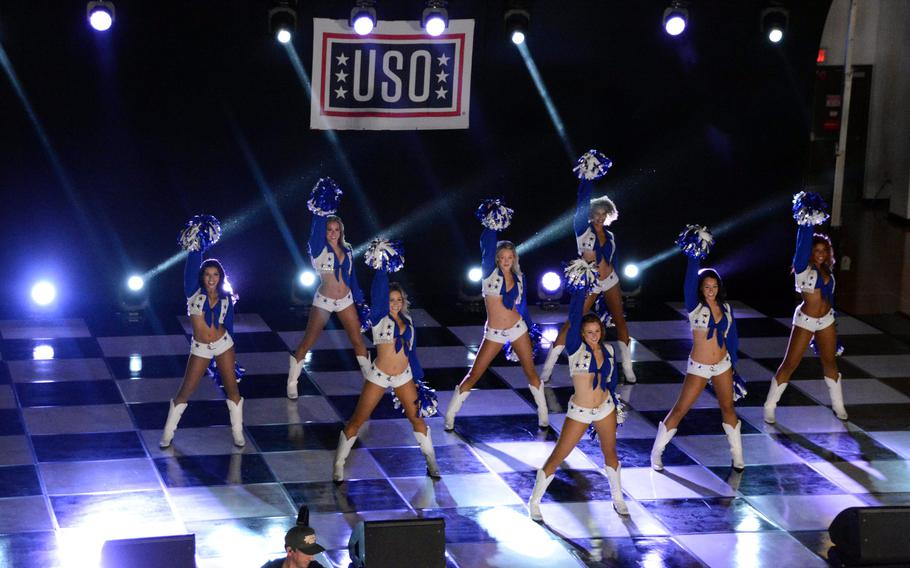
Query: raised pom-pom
(385, 255)
(426, 400)
(325, 197)
(592, 165)
(536, 336)
(363, 312)
(239, 372)
(494, 215)
(695, 241)
(809, 208)
(199, 233)
(581, 275)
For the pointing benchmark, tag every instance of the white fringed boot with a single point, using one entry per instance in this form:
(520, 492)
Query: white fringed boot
(660, 442)
(619, 504)
(341, 455)
(235, 409)
(170, 425)
(540, 487)
(775, 390)
(837, 396)
(294, 369)
(736, 444)
(548, 365)
(426, 447)
(627, 370)
(458, 399)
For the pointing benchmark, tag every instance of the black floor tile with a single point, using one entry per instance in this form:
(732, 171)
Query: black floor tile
(880, 417)
(640, 551)
(436, 337)
(506, 428)
(445, 378)
(258, 342)
(569, 486)
(348, 497)
(68, 393)
(634, 452)
(153, 367)
(194, 471)
(10, 422)
(669, 349)
(761, 327)
(783, 479)
(698, 421)
(198, 414)
(715, 515)
(758, 392)
(835, 447)
(656, 372)
(84, 447)
(811, 368)
(314, 436)
(106, 324)
(873, 344)
(64, 348)
(901, 384)
(410, 462)
(332, 360)
(5, 378)
(346, 404)
(19, 481)
(274, 386)
(651, 311)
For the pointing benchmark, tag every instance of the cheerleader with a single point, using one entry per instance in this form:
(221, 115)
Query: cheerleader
(211, 311)
(813, 320)
(714, 345)
(505, 298)
(338, 292)
(396, 365)
(594, 404)
(596, 244)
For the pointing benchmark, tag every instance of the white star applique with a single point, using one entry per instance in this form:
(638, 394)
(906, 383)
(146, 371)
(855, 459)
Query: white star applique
(341, 76)
(342, 59)
(340, 92)
(442, 76)
(440, 93)
(443, 59)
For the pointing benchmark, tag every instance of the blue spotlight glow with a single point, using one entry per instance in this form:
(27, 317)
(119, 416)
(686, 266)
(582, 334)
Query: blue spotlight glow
(135, 283)
(631, 270)
(518, 38)
(775, 35)
(307, 278)
(226, 286)
(43, 352)
(475, 274)
(44, 293)
(675, 25)
(283, 36)
(551, 281)
(547, 101)
(100, 15)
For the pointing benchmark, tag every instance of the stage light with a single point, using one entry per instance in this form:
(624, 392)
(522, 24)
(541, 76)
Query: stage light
(435, 17)
(631, 270)
(100, 15)
(774, 23)
(135, 364)
(226, 286)
(676, 18)
(517, 19)
(470, 293)
(135, 283)
(43, 293)
(43, 352)
(475, 274)
(551, 282)
(363, 17)
(549, 290)
(306, 278)
(283, 20)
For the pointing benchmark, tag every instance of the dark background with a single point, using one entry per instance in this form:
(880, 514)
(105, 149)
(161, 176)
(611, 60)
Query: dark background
(150, 123)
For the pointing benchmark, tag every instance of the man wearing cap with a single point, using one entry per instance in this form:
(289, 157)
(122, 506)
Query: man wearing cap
(300, 545)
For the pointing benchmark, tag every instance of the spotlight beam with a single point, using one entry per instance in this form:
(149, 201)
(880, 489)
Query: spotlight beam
(414, 220)
(547, 101)
(366, 210)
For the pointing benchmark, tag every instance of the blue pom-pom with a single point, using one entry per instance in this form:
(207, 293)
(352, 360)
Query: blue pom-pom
(385, 255)
(809, 208)
(592, 165)
(581, 275)
(363, 312)
(536, 336)
(695, 241)
(239, 372)
(325, 197)
(199, 233)
(739, 387)
(426, 400)
(837, 353)
(494, 215)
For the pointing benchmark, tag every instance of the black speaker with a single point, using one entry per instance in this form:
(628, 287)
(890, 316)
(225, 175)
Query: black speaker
(391, 544)
(871, 536)
(177, 551)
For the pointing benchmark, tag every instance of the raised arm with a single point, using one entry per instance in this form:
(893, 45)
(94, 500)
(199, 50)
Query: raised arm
(573, 338)
(191, 272)
(690, 287)
(803, 248)
(379, 296)
(487, 251)
(582, 206)
(317, 235)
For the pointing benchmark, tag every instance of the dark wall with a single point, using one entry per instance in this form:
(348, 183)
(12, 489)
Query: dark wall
(149, 124)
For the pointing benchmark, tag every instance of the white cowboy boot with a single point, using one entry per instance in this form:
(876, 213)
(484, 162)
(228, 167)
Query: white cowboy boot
(548, 365)
(736, 444)
(543, 418)
(626, 352)
(235, 409)
(458, 399)
(837, 396)
(775, 390)
(619, 504)
(660, 442)
(294, 369)
(426, 447)
(540, 487)
(170, 425)
(341, 455)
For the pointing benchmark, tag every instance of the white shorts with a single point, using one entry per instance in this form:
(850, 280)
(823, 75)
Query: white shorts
(706, 371)
(213, 349)
(385, 381)
(605, 284)
(589, 415)
(506, 335)
(332, 305)
(812, 324)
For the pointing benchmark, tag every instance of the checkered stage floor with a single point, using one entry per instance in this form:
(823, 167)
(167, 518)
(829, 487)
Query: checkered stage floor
(82, 403)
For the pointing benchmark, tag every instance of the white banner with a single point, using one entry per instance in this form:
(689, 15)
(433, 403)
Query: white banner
(396, 78)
